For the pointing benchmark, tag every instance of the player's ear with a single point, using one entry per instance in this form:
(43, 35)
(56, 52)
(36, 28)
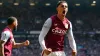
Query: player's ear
(14, 23)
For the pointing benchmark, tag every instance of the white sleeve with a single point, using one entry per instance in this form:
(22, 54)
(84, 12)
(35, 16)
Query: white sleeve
(5, 36)
(46, 27)
(71, 38)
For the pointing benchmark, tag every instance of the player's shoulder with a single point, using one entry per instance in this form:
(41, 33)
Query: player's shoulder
(69, 22)
(48, 22)
(6, 29)
(53, 17)
(6, 32)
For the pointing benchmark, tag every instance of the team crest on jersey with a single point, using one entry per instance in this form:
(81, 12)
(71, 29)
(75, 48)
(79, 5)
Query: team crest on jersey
(66, 25)
(55, 24)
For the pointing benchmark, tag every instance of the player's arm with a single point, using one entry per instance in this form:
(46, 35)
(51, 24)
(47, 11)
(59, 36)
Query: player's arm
(17, 45)
(71, 40)
(2, 47)
(4, 37)
(46, 27)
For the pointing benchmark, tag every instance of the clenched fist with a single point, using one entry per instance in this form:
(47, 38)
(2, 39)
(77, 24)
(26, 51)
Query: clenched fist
(74, 53)
(26, 43)
(47, 51)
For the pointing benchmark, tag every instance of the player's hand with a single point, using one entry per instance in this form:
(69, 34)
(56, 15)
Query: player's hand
(74, 53)
(26, 43)
(47, 51)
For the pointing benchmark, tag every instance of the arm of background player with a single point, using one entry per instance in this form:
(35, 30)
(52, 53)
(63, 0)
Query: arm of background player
(2, 48)
(17, 45)
(71, 39)
(4, 37)
(45, 29)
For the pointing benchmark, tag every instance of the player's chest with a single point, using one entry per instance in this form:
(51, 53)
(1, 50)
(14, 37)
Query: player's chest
(60, 28)
(60, 25)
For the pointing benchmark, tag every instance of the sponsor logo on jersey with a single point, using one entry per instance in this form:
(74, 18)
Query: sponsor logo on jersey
(58, 31)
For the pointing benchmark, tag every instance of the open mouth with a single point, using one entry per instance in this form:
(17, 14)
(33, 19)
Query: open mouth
(64, 12)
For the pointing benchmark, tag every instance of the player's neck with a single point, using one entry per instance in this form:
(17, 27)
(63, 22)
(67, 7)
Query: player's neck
(61, 17)
(9, 26)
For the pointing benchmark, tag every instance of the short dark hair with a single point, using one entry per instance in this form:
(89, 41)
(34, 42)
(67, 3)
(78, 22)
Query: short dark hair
(10, 20)
(59, 2)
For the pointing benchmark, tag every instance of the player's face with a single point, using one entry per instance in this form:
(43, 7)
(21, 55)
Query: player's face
(62, 9)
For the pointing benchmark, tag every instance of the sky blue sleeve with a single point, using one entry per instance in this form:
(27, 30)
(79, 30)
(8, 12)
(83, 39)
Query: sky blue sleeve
(71, 38)
(46, 27)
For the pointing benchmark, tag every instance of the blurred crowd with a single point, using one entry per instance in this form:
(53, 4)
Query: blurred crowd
(87, 45)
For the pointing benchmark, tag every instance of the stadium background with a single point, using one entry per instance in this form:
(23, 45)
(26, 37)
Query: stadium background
(31, 14)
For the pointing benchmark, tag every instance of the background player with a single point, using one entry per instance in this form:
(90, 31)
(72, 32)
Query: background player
(7, 41)
(55, 28)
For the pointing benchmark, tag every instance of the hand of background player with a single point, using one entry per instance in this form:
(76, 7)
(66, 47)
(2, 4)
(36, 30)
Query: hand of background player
(47, 51)
(26, 43)
(74, 53)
